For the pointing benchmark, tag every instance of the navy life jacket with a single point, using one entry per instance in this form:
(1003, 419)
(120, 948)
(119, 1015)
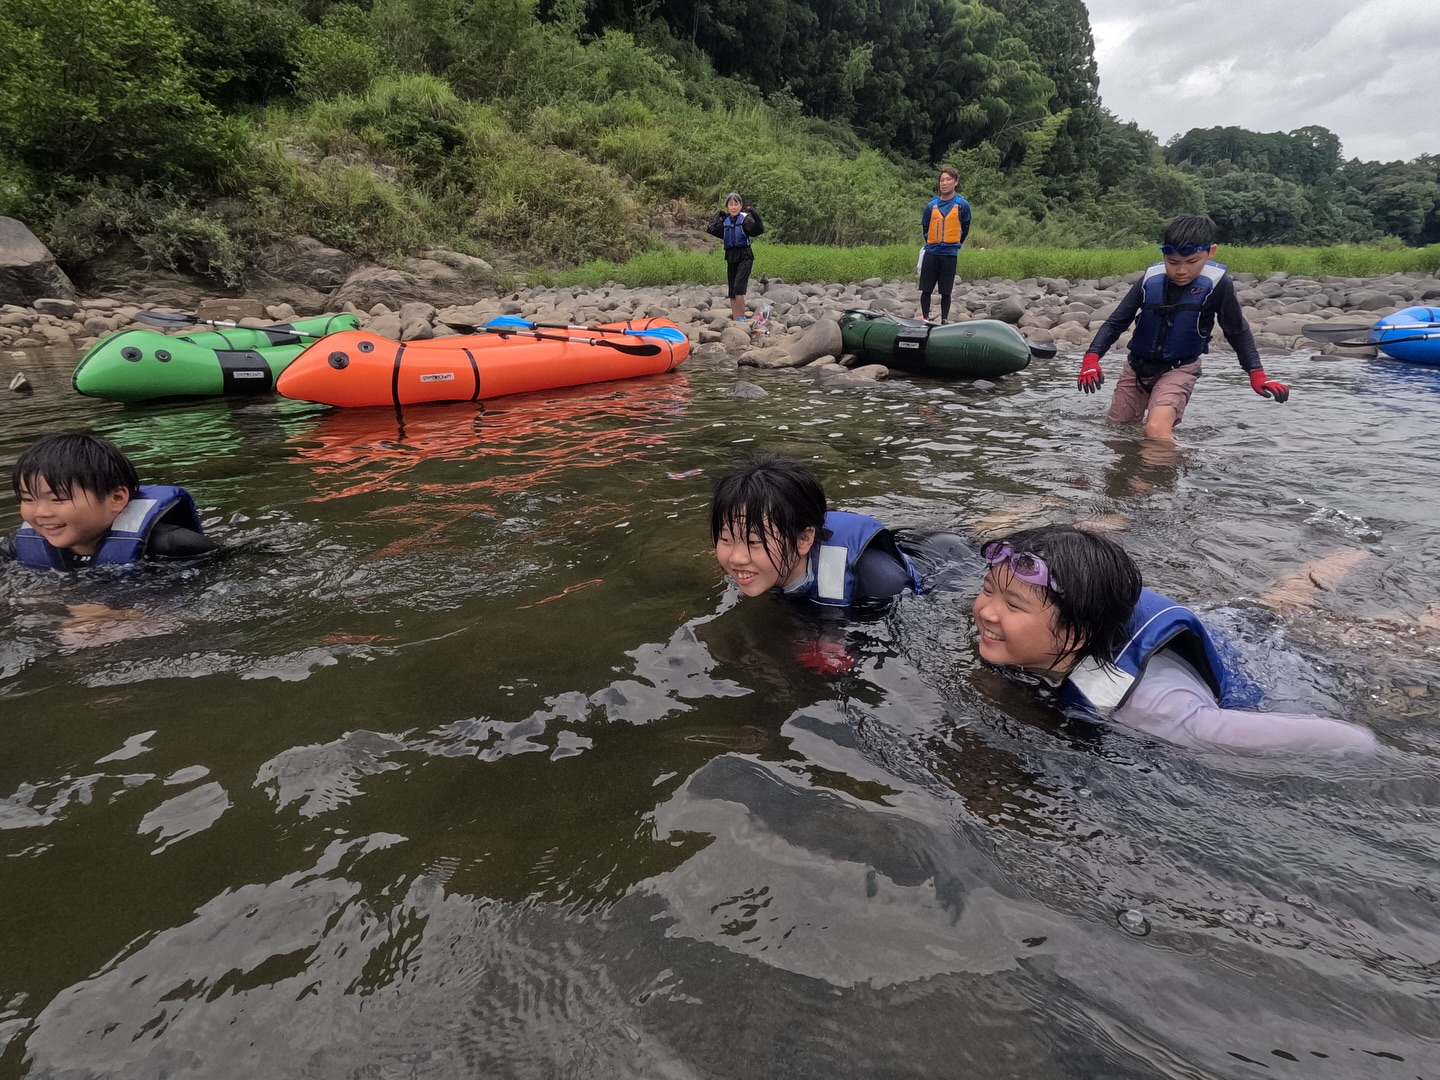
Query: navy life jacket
(1097, 688)
(125, 543)
(832, 561)
(1171, 332)
(735, 236)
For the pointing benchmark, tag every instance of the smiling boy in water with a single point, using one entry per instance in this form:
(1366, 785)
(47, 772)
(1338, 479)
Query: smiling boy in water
(1174, 308)
(82, 505)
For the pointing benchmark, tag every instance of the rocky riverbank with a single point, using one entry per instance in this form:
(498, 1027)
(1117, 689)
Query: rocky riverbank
(422, 300)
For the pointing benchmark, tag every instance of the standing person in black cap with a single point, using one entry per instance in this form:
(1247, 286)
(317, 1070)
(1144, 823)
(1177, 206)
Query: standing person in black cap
(735, 225)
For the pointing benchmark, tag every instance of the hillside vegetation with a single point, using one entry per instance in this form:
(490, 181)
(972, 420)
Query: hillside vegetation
(555, 134)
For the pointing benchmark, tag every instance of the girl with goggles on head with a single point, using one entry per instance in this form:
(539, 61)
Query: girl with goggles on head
(1068, 605)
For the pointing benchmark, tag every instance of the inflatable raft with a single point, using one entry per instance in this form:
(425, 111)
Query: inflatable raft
(357, 368)
(1412, 335)
(137, 365)
(980, 349)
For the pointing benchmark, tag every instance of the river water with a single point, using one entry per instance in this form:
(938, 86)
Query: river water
(465, 762)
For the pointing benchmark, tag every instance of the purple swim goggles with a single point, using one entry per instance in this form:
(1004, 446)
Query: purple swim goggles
(1025, 565)
(1183, 249)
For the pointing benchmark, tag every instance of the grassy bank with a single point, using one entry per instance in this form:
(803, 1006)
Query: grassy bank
(804, 262)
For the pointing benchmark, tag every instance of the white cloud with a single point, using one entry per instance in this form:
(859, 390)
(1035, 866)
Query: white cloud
(1365, 69)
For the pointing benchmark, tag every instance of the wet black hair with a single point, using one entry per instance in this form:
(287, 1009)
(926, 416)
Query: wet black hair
(776, 499)
(1099, 586)
(1197, 229)
(74, 459)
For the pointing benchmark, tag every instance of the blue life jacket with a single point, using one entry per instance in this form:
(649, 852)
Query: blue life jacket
(1171, 332)
(735, 236)
(1098, 688)
(832, 560)
(125, 543)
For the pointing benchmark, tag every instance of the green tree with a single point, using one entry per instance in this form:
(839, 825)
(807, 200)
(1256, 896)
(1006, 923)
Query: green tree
(100, 88)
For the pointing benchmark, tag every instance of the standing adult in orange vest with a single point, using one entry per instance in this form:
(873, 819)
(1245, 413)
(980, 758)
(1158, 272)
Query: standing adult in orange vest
(944, 224)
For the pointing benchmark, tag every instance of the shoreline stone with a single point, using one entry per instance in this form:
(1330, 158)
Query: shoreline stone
(803, 325)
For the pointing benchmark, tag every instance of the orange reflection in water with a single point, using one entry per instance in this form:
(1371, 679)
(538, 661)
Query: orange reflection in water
(519, 444)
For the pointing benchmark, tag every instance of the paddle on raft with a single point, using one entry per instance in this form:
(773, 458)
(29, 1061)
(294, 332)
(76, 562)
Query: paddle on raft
(1343, 331)
(636, 349)
(664, 333)
(175, 319)
(1380, 344)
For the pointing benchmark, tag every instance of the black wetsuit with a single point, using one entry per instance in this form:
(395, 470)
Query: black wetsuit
(1222, 305)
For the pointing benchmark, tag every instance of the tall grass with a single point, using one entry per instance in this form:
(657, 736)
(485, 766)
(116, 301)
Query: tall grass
(806, 262)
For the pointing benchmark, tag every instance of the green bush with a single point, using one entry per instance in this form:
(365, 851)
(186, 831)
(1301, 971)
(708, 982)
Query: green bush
(116, 99)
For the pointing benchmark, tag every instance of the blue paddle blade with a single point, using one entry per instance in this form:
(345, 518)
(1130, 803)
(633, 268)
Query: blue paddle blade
(664, 333)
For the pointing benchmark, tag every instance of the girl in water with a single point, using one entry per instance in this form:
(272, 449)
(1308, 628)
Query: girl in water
(1068, 606)
(772, 530)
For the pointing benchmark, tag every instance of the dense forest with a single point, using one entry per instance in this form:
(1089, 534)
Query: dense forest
(553, 131)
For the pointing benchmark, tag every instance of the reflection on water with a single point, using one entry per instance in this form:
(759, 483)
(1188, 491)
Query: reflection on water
(465, 763)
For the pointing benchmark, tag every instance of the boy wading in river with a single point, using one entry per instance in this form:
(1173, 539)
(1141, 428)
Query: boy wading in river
(1174, 308)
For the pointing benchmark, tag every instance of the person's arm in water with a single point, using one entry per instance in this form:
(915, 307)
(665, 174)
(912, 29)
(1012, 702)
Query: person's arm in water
(880, 572)
(168, 542)
(1172, 702)
(1233, 325)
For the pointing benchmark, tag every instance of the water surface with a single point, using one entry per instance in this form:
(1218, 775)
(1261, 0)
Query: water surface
(465, 762)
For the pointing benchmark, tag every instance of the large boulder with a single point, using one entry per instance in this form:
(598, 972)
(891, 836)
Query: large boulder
(27, 269)
(822, 339)
(303, 260)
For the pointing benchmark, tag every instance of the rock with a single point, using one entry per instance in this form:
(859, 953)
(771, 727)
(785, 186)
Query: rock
(782, 295)
(871, 372)
(306, 261)
(468, 265)
(415, 329)
(387, 326)
(1370, 301)
(769, 358)
(280, 312)
(61, 309)
(744, 389)
(27, 269)
(417, 310)
(822, 339)
(229, 310)
(734, 338)
(20, 384)
(372, 285)
(1009, 309)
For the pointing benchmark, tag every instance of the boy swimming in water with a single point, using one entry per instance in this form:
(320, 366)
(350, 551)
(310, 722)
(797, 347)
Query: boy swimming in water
(1068, 606)
(82, 505)
(772, 530)
(1174, 308)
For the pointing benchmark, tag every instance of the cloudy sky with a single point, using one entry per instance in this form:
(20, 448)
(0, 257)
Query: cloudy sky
(1365, 69)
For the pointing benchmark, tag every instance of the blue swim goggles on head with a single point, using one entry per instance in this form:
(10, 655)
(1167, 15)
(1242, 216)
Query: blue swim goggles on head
(1025, 565)
(1183, 249)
